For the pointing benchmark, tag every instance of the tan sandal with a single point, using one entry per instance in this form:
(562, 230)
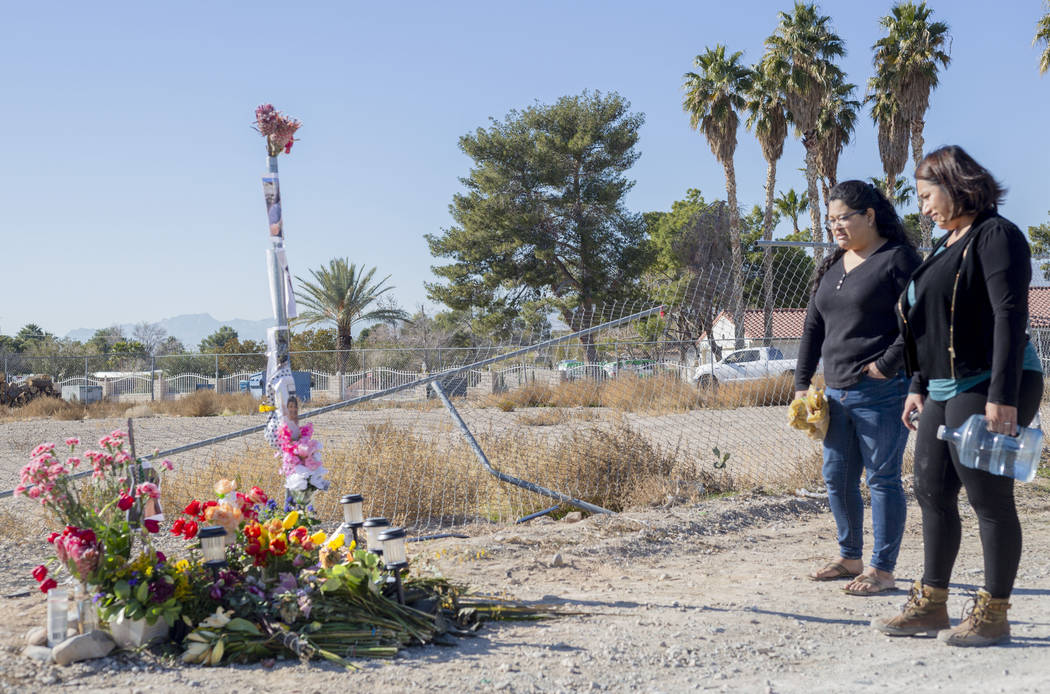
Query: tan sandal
(873, 586)
(838, 571)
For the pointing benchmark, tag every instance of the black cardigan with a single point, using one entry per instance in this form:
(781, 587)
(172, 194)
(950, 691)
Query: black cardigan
(971, 309)
(852, 322)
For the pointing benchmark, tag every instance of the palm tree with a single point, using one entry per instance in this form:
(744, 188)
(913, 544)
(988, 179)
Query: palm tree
(892, 130)
(767, 117)
(838, 118)
(906, 61)
(1042, 34)
(902, 190)
(792, 205)
(803, 46)
(713, 95)
(341, 295)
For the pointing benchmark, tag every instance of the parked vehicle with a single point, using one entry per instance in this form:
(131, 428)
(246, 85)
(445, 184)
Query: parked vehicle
(749, 364)
(641, 367)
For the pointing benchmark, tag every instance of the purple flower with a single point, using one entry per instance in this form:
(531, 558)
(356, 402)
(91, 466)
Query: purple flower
(160, 591)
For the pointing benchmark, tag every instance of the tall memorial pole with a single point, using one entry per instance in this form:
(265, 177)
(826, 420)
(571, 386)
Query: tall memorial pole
(299, 453)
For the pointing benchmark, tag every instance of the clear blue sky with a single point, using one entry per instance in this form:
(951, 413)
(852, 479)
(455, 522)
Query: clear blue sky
(130, 173)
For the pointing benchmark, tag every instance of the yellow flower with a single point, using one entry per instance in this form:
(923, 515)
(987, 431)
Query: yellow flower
(337, 541)
(182, 566)
(275, 527)
(352, 547)
(319, 537)
(290, 520)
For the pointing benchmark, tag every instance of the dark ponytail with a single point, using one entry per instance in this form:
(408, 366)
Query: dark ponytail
(858, 195)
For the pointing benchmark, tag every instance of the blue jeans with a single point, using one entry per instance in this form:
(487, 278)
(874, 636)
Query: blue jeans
(865, 432)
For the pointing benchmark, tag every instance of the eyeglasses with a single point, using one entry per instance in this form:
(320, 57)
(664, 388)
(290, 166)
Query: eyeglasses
(836, 221)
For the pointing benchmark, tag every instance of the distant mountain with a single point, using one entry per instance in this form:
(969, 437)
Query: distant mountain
(191, 328)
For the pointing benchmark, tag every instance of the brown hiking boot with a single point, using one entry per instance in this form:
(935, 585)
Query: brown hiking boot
(926, 612)
(984, 625)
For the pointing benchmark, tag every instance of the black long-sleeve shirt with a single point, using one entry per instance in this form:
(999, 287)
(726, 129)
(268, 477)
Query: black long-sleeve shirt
(971, 309)
(851, 319)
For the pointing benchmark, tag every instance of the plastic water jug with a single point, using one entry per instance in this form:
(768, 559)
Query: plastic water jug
(999, 454)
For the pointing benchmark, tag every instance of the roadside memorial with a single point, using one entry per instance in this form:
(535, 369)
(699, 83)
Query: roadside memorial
(255, 579)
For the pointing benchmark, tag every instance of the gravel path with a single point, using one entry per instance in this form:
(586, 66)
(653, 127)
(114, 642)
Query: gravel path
(700, 597)
(705, 597)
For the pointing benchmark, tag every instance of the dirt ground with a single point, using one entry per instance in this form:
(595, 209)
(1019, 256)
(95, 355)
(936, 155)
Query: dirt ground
(693, 598)
(708, 596)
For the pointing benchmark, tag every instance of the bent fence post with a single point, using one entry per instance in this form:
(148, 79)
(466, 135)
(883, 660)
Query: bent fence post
(501, 476)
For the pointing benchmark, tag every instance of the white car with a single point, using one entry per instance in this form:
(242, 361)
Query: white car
(749, 364)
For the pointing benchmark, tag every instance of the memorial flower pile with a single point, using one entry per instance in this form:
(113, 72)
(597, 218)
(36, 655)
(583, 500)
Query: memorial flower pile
(282, 587)
(103, 514)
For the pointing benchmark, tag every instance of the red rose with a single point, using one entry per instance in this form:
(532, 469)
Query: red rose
(151, 525)
(52, 536)
(40, 573)
(189, 531)
(258, 495)
(125, 501)
(193, 509)
(176, 527)
(48, 585)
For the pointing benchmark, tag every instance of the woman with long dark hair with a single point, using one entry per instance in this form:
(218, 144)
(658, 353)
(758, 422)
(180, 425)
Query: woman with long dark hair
(963, 318)
(851, 324)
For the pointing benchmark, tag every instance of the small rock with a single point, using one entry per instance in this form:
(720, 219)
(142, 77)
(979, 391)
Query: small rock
(573, 517)
(94, 644)
(37, 636)
(557, 560)
(41, 653)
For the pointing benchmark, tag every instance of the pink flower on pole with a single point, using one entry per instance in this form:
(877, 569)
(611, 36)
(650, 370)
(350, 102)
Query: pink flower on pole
(148, 489)
(167, 464)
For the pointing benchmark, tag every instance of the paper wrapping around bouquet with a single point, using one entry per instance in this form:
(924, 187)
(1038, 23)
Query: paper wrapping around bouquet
(810, 414)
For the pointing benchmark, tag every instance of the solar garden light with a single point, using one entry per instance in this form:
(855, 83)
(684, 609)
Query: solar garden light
(374, 526)
(353, 514)
(394, 556)
(213, 546)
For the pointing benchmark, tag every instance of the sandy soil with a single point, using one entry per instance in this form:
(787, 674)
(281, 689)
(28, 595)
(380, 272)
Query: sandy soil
(709, 596)
(706, 597)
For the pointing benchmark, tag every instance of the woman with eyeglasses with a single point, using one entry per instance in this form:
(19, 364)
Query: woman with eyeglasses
(963, 318)
(851, 324)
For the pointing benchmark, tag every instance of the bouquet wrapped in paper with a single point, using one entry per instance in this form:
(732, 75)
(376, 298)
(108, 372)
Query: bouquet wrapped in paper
(810, 413)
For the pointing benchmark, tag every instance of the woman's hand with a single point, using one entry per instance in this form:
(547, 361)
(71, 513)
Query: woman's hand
(1001, 419)
(874, 372)
(913, 403)
(800, 394)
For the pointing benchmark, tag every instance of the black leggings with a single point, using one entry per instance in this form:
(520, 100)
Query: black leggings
(939, 476)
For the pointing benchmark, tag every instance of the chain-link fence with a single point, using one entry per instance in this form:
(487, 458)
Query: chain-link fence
(635, 403)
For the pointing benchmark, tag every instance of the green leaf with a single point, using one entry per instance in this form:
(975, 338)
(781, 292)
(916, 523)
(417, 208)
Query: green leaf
(142, 592)
(242, 625)
(122, 589)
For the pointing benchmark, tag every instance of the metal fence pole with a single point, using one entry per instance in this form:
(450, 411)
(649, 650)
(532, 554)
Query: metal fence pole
(85, 370)
(216, 373)
(152, 376)
(502, 476)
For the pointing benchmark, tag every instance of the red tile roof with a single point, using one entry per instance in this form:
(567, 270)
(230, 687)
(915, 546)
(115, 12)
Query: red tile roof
(787, 322)
(1039, 307)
